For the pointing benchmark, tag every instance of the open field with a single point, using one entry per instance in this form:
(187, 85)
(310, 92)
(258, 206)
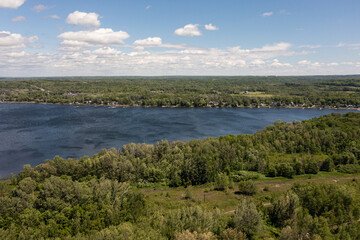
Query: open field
(162, 198)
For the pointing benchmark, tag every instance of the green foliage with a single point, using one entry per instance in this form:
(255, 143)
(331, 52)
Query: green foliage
(336, 202)
(247, 219)
(247, 188)
(222, 182)
(188, 91)
(193, 219)
(349, 168)
(285, 170)
(188, 194)
(283, 208)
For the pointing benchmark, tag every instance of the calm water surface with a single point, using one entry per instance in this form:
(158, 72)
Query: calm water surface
(31, 133)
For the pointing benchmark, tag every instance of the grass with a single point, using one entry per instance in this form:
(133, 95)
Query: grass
(173, 198)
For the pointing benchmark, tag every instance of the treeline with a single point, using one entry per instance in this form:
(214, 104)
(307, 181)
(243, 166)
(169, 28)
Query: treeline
(188, 91)
(92, 198)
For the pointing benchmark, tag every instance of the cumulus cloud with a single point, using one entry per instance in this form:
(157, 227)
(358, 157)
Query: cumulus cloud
(83, 19)
(211, 27)
(304, 62)
(98, 37)
(18, 19)
(150, 41)
(277, 63)
(267, 14)
(190, 30)
(39, 8)
(14, 40)
(106, 60)
(106, 51)
(11, 3)
(53, 17)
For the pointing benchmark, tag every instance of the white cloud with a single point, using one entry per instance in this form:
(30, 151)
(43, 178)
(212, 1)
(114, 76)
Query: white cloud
(39, 8)
(211, 27)
(282, 46)
(310, 46)
(14, 40)
(148, 7)
(277, 63)
(267, 14)
(304, 62)
(53, 17)
(11, 3)
(84, 19)
(98, 37)
(257, 62)
(188, 30)
(18, 19)
(17, 54)
(75, 60)
(148, 42)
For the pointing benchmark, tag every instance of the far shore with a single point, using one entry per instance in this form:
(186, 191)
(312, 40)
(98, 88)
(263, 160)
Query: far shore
(137, 106)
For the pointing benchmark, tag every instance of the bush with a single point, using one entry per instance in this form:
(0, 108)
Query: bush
(247, 188)
(285, 170)
(283, 208)
(232, 234)
(244, 176)
(247, 219)
(311, 167)
(188, 194)
(222, 182)
(349, 168)
(327, 165)
(271, 172)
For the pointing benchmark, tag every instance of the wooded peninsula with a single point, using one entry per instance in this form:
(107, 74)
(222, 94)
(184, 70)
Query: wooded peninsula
(297, 180)
(242, 91)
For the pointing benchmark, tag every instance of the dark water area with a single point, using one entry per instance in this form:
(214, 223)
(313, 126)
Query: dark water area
(31, 133)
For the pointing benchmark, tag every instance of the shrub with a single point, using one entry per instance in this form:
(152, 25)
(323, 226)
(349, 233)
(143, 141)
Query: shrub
(222, 182)
(349, 168)
(247, 219)
(285, 170)
(283, 208)
(232, 234)
(188, 194)
(311, 167)
(247, 188)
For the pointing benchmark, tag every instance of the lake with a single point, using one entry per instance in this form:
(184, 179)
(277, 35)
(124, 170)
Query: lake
(31, 133)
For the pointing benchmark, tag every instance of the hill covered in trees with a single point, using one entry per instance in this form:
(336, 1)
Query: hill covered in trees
(249, 91)
(106, 196)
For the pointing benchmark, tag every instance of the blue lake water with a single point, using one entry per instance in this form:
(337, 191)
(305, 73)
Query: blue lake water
(31, 133)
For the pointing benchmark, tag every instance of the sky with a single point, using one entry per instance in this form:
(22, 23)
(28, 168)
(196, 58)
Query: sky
(40, 38)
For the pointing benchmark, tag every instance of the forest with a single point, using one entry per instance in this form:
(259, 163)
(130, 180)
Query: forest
(296, 180)
(244, 91)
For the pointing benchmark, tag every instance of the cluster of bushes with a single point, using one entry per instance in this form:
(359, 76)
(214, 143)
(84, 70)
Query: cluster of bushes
(59, 207)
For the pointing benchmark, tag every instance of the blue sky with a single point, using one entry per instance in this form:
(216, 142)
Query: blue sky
(163, 37)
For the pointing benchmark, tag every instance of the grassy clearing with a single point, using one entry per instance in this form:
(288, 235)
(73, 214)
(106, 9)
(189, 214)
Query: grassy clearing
(172, 198)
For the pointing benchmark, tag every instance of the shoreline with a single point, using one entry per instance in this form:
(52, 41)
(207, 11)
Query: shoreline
(131, 106)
